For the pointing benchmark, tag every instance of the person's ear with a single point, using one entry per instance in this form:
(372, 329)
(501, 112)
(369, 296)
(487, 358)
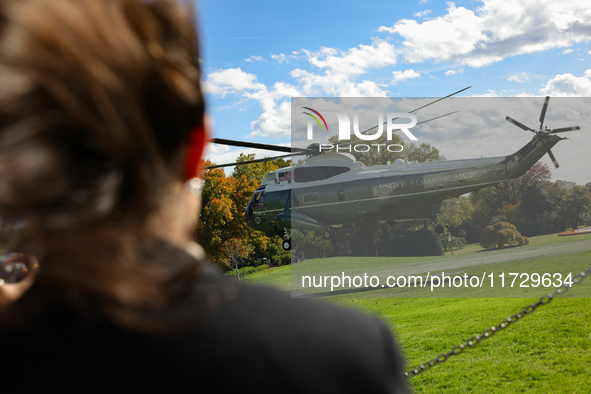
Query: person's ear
(197, 141)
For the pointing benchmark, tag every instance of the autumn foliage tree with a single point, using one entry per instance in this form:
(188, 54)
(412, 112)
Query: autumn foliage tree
(236, 250)
(224, 199)
(218, 211)
(504, 199)
(500, 234)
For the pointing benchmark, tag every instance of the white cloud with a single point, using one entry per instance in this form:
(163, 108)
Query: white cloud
(491, 93)
(354, 61)
(566, 51)
(283, 58)
(230, 81)
(254, 59)
(521, 78)
(454, 72)
(340, 74)
(567, 85)
(422, 13)
(400, 76)
(342, 68)
(275, 120)
(494, 31)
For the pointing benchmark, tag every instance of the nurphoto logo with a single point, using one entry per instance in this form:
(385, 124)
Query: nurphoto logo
(344, 122)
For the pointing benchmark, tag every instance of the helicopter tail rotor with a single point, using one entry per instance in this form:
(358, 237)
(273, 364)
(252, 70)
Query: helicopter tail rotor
(543, 133)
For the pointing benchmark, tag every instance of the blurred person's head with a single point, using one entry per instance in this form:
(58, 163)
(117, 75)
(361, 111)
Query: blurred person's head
(101, 122)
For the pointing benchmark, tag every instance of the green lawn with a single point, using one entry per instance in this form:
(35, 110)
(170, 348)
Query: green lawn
(548, 351)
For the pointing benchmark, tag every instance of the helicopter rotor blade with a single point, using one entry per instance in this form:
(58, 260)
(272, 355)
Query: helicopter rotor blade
(543, 113)
(554, 161)
(416, 109)
(553, 158)
(250, 161)
(256, 145)
(442, 98)
(437, 117)
(563, 129)
(276, 148)
(520, 125)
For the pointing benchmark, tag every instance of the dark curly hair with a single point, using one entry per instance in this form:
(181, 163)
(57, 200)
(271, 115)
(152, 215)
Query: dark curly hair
(98, 99)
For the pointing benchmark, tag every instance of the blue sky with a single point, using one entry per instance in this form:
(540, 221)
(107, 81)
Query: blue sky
(256, 55)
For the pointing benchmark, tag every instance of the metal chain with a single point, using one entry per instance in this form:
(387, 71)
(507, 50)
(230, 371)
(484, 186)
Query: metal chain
(493, 330)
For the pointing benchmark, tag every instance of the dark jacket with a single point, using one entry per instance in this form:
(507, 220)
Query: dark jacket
(245, 339)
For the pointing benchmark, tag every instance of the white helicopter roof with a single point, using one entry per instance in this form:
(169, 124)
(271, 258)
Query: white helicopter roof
(283, 176)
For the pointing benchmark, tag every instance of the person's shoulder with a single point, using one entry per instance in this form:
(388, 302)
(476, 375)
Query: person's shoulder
(312, 345)
(259, 306)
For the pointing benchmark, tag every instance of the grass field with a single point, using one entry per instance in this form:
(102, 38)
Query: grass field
(548, 351)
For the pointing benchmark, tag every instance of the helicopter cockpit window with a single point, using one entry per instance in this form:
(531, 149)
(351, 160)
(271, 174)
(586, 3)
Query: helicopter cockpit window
(317, 173)
(259, 199)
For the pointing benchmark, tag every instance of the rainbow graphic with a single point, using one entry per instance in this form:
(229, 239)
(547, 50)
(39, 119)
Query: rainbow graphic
(315, 118)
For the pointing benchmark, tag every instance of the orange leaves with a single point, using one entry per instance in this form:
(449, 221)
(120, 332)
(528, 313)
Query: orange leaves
(224, 199)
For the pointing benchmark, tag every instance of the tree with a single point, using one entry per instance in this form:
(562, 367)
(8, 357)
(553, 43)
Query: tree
(312, 245)
(224, 199)
(454, 212)
(578, 204)
(454, 215)
(572, 209)
(236, 250)
(275, 255)
(490, 202)
(422, 153)
(536, 211)
(501, 234)
(559, 196)
(378, 155)
(217, 213)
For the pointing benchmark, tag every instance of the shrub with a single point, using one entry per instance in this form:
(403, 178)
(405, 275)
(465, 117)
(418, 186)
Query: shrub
(455, 242)
(500, 234)
(415, 243)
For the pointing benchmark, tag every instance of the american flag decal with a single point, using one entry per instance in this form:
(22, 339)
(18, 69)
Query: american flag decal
(284, 176)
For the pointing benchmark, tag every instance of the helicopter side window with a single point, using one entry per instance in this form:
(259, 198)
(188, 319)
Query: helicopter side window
(310, 198)
(317, 173)
(259, 200)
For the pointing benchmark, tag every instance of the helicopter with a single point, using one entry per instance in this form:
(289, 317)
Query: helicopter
(333, 189)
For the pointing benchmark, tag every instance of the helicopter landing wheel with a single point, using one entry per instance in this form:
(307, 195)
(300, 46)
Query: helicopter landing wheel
(327, 234)
(286, 244)
(439, 229)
